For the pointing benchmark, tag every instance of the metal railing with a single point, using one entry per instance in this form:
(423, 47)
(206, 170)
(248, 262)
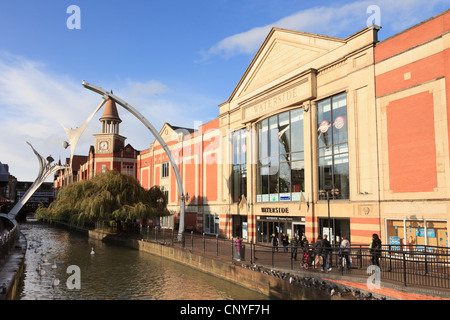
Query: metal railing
(407, 265)
(7, 242)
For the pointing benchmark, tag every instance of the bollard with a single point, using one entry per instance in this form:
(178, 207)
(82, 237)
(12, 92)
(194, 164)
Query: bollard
(204, 248)
(217, 244)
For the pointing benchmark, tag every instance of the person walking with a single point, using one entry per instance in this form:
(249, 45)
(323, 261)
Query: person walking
(375, 249)
(294, 246)
(345, 253)
(238, 247)
(305, 244)
(326, 248)
(318, 260)
(274, 241)
(285, 242)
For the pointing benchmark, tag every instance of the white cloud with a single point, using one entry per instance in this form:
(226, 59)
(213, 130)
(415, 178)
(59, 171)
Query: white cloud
(333, 20)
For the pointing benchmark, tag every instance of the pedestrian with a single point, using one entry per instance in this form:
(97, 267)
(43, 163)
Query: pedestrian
(238, 247)
(294, 245)
(375, 249)
(345, 252)
(305, 243)
(285, 242)
(318, 252)
(326, 249)
(274, 241)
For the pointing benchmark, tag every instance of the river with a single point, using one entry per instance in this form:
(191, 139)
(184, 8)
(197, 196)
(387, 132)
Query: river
(112, 272)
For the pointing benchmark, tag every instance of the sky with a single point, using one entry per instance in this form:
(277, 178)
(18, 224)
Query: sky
(174, 61)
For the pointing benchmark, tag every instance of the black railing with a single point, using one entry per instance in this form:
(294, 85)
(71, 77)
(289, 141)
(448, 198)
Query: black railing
(7, 241)
(408, 265)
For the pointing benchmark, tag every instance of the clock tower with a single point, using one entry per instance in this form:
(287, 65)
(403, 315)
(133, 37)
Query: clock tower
(109, 141)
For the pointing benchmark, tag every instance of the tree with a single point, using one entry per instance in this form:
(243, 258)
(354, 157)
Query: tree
(108, 196)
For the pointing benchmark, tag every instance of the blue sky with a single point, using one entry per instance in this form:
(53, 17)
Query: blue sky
(175, 61)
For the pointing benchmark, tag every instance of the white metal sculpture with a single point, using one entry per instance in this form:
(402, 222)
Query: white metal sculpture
(156, 134)
(46, 168)
(73, 135)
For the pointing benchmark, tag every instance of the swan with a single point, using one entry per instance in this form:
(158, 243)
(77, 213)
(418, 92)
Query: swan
(54, 265)
(55, 282)
(92, 251)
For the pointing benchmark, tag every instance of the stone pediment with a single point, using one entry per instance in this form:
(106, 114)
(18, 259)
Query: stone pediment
(170, 133)
(282, 52)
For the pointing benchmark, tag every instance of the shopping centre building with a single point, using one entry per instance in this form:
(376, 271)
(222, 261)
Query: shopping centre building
(322, 135)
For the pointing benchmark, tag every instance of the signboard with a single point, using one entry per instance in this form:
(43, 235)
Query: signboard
(339, 122)
(394, 241)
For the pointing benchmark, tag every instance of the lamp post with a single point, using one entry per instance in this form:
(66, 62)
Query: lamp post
(156, 134)
(328, 188)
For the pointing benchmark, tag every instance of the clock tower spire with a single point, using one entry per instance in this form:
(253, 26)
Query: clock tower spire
(109, 140)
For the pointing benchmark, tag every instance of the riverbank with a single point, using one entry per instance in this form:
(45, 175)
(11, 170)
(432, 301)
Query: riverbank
(11, 270)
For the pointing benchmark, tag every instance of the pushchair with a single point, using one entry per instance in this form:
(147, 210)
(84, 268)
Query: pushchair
(308, 258)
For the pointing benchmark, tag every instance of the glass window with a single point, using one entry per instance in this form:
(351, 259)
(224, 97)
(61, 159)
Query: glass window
(239, 167)
(165, 170)
(333, 147)
(280, 167)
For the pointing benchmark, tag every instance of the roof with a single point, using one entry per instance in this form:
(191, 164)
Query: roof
(110, 112)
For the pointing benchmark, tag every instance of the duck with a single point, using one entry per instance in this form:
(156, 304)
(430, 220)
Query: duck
(46, 263)
(92, 251)
(55, 282)
(38, 267)
(54, 265)
(41, 272)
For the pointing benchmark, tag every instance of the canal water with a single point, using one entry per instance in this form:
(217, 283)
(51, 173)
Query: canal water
(112, 272)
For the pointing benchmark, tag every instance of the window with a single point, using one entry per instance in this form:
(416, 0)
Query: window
(211, 223)
(165, 191)
(239, 166)
(128, 170)
(333, 147)
(280, 167)
(417, 234)
(165, 170)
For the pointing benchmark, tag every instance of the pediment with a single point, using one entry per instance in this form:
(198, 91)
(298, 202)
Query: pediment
(283, 52)
(170, 133)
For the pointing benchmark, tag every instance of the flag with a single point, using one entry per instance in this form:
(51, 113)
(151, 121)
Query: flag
(302, 199)
(242, 203)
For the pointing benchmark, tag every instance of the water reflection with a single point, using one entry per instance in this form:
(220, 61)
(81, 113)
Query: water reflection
(113, 272)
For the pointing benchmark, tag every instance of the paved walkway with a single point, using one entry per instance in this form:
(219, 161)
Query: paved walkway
(383, 291)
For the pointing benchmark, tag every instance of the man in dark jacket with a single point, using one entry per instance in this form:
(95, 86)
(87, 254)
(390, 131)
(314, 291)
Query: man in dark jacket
(294, 243)
(375, 249)
(326, 249)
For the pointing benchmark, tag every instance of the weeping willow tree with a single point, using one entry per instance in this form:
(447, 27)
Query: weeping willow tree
(108, 196)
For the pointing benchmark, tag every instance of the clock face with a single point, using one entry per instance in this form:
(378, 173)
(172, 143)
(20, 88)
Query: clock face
(103, 145)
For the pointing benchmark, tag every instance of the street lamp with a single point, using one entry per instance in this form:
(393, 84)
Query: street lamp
(109, 95)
